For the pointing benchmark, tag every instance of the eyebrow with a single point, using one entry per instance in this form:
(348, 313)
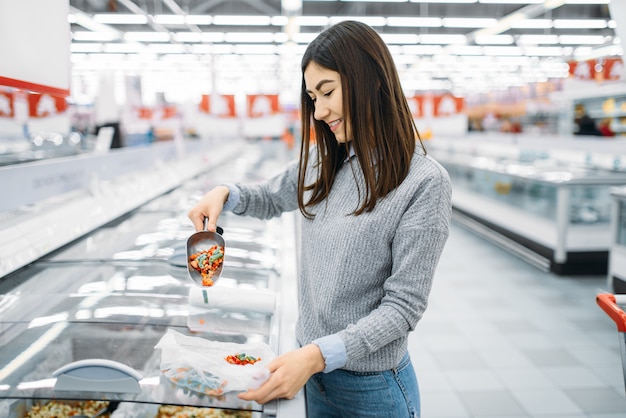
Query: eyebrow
(320, 84)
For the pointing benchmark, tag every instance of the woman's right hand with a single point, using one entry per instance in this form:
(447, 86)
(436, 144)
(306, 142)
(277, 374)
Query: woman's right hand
(209, 207)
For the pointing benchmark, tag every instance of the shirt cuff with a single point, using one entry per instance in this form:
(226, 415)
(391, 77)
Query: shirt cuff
(333, 350)
(233, 197)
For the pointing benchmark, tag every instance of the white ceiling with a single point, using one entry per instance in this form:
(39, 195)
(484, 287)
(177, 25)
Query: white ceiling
(187, 47)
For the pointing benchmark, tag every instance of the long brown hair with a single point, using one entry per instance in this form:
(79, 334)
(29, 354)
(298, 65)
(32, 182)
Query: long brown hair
(382, 128)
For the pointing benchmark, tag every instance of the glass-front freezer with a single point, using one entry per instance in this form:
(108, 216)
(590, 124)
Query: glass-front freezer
(617, 257)
(87, 322)
(557, 217)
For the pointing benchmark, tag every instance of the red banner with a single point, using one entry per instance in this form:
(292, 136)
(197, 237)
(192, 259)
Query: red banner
(6, 104)
(430, 105)
(259, 105)
(599, 70)
(223, 106)
(44, 105)
(613, 69)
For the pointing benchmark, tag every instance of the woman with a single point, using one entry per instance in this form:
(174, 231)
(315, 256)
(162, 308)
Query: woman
(376, 211)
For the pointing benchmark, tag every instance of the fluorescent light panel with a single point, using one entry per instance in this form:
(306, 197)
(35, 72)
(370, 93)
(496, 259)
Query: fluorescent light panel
(84, 35)
(580, 23)
(531, 24)
(120, 19)
(249, 37)
(494, 40)
(468, 22)
(582, 39)
(242, 20)
(198, 19)
(443, 39)
(417, 22)
(147, 36)
(169, 19)
(538, 39)
(392, 38)
(368, 20)
(312, 20)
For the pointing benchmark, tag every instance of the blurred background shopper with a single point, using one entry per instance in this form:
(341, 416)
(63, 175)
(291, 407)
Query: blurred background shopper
(375, 217)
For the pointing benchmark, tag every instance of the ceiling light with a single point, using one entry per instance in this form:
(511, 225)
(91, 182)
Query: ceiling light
(417, 22)
(242, 20)
(86, 47)
(213, 37)
(368, 20)
(166, 48)
(84, 35)
(468, 22)
(538, 39)
(279, 20)
(201, 49)
(291, 5)
(443, 1)
(587, 1)
(465, 50)
(147, 36)
(120, 19)
(253, 49)
(312, 20)
(198, 19)
(399, 38)
(188, 37)
(543, 51)
(443, 39)
(580, 23)
(249, 37)
(511, 1)
(531, 24)
(304, 38)
(169, 19)
(502, 50)
(494, 39)
(422, 49)
(122, 48)
(582, 39)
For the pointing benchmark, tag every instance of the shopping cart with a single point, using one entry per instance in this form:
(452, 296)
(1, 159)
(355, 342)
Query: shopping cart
(610, 304)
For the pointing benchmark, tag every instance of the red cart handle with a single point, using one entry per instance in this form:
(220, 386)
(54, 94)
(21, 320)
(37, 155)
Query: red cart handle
(608, 304)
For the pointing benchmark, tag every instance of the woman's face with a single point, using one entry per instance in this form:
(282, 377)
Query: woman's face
(324, 87)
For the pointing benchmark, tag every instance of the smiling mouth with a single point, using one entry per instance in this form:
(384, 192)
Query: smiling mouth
(333, 125)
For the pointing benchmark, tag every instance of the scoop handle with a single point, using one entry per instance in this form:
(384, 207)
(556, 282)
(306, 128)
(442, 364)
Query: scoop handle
(218, 229)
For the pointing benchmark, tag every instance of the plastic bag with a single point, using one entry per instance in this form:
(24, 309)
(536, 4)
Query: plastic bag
(199, 365)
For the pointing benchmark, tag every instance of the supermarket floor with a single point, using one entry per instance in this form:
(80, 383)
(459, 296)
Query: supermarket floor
(504, 339)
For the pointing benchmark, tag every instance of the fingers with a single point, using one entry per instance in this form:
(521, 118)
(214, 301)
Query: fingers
(209, 207)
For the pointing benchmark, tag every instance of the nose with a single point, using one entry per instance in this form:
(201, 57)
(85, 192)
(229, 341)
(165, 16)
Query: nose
(321, 111)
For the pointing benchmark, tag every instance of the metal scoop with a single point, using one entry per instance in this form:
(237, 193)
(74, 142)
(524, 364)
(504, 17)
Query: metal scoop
(196, 244)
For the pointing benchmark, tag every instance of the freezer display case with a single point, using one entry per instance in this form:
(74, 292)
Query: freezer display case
(617, 257)
(94, 323)
(556, 217)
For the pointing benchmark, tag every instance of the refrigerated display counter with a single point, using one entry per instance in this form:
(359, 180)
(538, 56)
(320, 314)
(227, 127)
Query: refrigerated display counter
(83, 323)
(556, 217)
(617, 256)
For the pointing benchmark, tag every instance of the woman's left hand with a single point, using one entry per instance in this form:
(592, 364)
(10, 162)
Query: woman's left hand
(289, 373)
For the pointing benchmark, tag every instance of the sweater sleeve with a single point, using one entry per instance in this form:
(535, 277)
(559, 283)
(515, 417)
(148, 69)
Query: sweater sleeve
(270, 198)
(416, 247)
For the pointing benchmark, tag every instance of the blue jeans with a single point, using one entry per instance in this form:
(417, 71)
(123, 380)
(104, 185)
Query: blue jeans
(344, 394)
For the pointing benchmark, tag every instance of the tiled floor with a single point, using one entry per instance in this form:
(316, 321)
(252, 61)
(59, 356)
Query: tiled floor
(504, 339)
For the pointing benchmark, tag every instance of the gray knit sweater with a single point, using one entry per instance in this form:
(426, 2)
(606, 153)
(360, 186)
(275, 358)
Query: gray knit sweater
(364, 278)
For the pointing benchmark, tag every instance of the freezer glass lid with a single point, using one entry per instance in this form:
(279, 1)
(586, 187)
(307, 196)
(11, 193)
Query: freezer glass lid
(116, 362)
(101, 323)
